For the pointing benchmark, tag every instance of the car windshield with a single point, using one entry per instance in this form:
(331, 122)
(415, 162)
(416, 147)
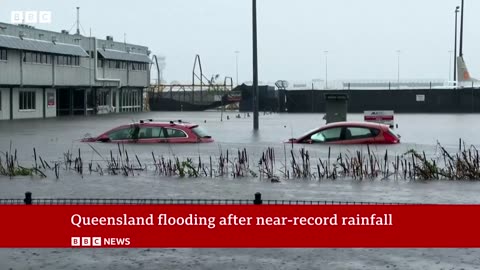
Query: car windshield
(200, 132)
(318, 137)
(391, 131)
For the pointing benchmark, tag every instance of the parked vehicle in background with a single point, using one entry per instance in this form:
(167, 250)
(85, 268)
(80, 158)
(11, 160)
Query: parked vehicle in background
(350, 133)
(150, 131)
(381, 117)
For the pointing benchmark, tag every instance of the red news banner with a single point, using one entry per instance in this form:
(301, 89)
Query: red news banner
(129, 226)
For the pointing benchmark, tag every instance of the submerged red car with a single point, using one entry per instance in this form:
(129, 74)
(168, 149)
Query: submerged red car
(150, 131)
(350, 133)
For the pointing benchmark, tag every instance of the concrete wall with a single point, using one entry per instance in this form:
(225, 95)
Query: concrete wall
(71, 76)
(5, 103)
(10, 69)
(465, 100)
(37, 74)
(137, 78)
(22, 114)
(116, 74)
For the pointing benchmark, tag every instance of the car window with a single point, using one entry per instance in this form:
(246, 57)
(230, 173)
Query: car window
(327, 135)
(358, 133)
(175, 133)
(122, 134)
(392, 132)
(150, 132)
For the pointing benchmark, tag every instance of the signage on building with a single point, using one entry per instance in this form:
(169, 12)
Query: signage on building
(235, 96)
(420, 98)
(50, 99)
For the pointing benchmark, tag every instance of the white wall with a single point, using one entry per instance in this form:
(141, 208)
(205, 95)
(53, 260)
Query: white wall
(5, 103)
(37, 113)
(10, 69)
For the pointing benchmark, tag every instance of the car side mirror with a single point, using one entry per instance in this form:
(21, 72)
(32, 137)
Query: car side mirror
(309, 141)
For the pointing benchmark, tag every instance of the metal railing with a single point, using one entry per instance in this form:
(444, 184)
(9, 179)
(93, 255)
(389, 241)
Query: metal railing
(29, 200)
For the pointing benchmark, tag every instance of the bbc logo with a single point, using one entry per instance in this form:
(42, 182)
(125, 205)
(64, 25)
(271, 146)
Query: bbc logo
(86, 241)
(31, 17)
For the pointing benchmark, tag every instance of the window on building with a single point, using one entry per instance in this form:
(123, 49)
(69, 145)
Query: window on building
(26, 100)
(138, 66)
(36, 57)
(3, 54)
(68, 60)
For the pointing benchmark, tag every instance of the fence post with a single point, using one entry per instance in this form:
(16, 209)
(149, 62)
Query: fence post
(258, 198)
(28, 198)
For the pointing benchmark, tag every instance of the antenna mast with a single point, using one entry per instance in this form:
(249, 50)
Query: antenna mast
(78, 20)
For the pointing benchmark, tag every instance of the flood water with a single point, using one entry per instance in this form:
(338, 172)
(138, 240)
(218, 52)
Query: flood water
(53, 137)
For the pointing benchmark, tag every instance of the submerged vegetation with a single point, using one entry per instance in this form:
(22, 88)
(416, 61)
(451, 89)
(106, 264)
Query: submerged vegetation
(293, 164)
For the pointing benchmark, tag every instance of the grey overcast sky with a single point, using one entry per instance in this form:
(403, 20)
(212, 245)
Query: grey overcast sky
(361, 36)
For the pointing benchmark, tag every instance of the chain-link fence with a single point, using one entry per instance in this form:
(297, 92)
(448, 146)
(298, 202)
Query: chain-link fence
(257, 200)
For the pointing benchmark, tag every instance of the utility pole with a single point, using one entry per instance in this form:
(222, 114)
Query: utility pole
(255, 65)
(455, 46)
(450, 66)
(326, 69)
(236, 64)
(398, 69)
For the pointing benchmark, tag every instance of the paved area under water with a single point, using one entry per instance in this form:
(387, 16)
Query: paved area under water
(53, 137)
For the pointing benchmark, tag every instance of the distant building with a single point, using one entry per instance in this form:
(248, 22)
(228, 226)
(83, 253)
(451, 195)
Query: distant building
(47, 74)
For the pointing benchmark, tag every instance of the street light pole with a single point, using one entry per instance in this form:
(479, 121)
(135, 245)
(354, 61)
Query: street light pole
(450, 65)
(236, 64)
(461, 32)
(326, 69)
(255, 65)
(455, 47)
(398, 69)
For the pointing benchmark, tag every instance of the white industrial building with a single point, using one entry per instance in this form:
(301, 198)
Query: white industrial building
(47, 74)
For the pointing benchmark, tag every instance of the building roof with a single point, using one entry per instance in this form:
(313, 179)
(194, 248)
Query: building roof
(36, 45)
(119, 55)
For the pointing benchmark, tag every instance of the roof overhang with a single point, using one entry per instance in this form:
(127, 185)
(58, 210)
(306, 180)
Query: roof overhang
(124, 56)
(12, 42)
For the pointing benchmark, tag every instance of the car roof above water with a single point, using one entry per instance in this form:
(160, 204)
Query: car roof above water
(155, 123)
(356, 123)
